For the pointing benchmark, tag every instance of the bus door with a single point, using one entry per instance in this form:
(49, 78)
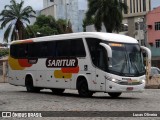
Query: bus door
(101, 68)
(99, 62)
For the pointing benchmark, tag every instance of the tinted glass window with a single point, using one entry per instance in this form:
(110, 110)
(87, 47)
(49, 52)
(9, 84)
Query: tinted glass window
(51, 49)
(63, 48)
(98, 53)
(22, 50)
(14, 51)
(34, 50)
(19, 51)
(77, 48)
(42, 49)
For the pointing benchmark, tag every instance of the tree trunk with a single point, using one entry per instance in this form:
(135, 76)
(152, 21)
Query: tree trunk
(108, 28)
(19, 27)
(20, 34)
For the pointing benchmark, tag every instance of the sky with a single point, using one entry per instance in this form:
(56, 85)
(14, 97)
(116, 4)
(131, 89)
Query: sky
(38, 5)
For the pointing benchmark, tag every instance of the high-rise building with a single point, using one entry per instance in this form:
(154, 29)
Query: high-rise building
(66, 9)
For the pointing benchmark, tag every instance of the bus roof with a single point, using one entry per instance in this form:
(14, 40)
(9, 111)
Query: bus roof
(100, 35)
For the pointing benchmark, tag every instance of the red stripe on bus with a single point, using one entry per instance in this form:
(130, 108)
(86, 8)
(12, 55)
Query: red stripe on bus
(24, 63)
(70, 70)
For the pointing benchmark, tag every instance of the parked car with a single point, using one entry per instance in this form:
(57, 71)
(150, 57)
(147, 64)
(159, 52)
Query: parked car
(154, 72)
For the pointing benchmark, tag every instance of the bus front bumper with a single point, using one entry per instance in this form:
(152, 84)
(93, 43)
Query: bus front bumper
(115, 87)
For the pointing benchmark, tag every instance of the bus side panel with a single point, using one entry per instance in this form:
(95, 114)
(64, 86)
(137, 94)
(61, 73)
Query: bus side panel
(16, 77)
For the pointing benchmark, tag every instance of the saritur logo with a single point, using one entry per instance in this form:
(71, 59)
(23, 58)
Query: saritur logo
(61, 62)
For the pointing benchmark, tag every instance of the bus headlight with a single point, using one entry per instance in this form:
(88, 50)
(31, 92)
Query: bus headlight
(115, 80)
(143, 81)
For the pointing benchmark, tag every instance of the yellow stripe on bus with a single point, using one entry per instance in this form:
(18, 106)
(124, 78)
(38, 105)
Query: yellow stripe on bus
(14, 64)
(60, 74)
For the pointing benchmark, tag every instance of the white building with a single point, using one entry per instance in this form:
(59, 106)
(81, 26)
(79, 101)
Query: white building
(73, 10)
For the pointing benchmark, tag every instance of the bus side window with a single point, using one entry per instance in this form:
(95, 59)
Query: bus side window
(33, 50)
(51, 49)
(43, 49)
(63, 48)
(22, 50)
(77, 48)
(14, 51)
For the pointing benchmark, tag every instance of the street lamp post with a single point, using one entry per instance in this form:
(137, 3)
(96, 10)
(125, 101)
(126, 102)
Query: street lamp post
(67, 4)
(144, 30)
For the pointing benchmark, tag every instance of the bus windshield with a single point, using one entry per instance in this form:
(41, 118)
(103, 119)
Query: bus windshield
(127, 60)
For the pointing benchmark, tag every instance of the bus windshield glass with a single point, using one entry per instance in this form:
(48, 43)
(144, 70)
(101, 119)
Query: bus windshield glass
(127, 60)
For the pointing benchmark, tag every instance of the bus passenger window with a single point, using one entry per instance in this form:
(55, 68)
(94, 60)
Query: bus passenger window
(77, 48)
(33, 50)
(14, 51)
(51, 49)
(63, 48)
(22, 50)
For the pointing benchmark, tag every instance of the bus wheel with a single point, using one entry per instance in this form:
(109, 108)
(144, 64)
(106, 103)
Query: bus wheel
(115, 94)
(57, 91)
(29, 85)
(83, 89)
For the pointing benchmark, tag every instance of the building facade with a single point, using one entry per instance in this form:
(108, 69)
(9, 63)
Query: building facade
(66, 9)
(153, 33)
(134, 21)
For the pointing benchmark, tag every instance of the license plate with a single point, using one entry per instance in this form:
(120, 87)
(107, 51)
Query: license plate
(129, 88)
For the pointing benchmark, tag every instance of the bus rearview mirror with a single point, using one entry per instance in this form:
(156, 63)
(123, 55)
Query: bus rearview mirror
(109, 53)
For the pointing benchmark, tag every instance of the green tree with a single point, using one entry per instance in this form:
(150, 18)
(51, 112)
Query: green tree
(47, 25)
(87, 22)
(108, 12)
(16, 17)
(44, 26)
(62, 25)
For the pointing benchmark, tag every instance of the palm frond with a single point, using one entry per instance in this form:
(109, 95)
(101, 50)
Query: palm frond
(7, 32)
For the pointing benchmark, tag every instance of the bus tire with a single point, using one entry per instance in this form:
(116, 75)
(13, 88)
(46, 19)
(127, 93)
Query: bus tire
(114, 94)
(29, 85)
(83, 89)
(57, 91)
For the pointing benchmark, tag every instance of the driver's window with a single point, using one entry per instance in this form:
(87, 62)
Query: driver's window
(98, 53)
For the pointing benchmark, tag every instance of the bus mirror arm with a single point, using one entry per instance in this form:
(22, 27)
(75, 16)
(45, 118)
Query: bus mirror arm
(148, 51)
(109, 52)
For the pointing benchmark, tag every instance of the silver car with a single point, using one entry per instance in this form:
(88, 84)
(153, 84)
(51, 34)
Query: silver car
(155, 72)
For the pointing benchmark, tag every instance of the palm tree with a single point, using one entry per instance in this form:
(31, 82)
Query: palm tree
(108, 12)
(15, 17)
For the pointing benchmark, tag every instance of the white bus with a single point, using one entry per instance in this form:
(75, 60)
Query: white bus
(88, 62)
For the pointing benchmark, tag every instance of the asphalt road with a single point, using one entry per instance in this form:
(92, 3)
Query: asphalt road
(13, 98)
